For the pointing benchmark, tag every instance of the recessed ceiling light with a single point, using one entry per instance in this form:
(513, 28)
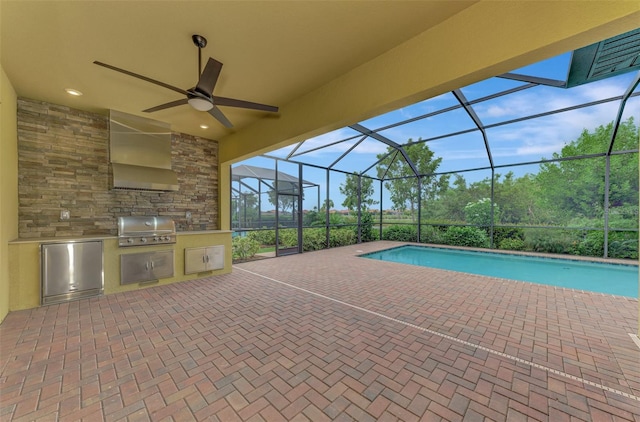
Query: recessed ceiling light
(73, 92)
(204, 127)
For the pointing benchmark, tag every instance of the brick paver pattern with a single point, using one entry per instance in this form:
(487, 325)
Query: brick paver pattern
(326, 336)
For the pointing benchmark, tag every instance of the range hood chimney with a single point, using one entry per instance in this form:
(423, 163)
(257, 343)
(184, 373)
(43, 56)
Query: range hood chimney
(140, 151)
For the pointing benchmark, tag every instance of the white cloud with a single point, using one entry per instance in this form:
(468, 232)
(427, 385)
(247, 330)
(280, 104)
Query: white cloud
(538, 138)
(370, 146)
(598, 90)
(542, 99)
(510, 106)
(528, 140)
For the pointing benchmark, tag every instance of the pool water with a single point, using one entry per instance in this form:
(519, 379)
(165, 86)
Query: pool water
(616, 279)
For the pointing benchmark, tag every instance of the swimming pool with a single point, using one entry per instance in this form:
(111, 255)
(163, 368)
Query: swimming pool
(616, 279)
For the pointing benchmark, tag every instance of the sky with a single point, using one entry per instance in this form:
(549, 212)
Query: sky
(519, 142)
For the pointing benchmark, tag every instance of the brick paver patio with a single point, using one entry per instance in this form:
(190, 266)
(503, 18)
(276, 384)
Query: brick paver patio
(326, 336)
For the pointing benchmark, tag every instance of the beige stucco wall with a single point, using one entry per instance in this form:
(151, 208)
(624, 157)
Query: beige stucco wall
(8, 184)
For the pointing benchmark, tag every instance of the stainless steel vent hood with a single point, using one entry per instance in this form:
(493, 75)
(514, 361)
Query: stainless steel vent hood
(127, 176)
(140, 151)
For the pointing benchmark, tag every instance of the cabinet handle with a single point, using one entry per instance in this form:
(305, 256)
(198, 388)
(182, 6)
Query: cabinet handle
(152, 265)
(207, 258)
(146, 266)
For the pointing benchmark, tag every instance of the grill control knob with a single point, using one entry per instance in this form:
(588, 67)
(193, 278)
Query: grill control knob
(143, 239)
(129, 240)
(156, 238)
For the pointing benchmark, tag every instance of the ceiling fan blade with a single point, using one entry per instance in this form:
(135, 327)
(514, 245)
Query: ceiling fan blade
(144, 78)
(232, 102)
(215, 112)
(209, 76)
(167, 105)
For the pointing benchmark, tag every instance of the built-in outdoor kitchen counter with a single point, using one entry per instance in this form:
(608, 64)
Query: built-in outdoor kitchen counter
(25, 257)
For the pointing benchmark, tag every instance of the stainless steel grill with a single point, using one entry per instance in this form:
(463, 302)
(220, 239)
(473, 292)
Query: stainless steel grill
(145, 231)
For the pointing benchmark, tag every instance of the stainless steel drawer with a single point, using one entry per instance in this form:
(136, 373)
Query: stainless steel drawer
(71, 270)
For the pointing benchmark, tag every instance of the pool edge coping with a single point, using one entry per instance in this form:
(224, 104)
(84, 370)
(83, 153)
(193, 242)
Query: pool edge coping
(361, 254)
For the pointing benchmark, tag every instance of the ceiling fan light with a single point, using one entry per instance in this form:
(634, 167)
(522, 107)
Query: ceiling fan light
(200, 104)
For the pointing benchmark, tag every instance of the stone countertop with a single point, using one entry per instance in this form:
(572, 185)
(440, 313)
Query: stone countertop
(205, 232)
(63, 239)
(102, 237)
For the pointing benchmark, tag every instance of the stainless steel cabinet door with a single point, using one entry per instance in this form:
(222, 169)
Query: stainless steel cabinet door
(195, 260)
(145, 266)
(71, 267)
(202, 259)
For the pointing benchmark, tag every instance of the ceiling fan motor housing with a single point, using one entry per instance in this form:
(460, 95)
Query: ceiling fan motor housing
(199, 41)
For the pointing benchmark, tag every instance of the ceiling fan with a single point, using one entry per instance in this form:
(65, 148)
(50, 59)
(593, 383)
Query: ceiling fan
(201, 96)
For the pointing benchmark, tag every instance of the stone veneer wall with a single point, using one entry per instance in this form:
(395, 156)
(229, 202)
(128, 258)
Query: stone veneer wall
(63, 164)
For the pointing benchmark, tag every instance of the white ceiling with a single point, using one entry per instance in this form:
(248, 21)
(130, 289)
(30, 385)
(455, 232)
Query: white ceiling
(273, 51)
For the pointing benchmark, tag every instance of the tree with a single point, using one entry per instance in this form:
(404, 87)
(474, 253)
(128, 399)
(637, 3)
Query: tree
(287, 196)
(317, 217)
(327, 204)
(623, 191)
(575, 188)
(479, 212)
(517, 199)
(402, 183)
(450, 205)
(350, 190)
(245, 209)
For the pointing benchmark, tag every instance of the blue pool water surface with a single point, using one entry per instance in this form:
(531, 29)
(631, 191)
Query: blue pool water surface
(616, 279)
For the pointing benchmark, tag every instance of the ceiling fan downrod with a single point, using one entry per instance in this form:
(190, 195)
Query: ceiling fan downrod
(200, 42)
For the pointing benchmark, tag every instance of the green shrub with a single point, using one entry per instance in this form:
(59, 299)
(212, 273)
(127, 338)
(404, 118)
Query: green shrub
(432, 234)
(366, 228)
(341, 237)
(466, 236)
(263, 237)
(314, 239)
(244, 247)
(375, 235)
(592, 244)
(553, 241)
(623, 249)
(400, 233)
(503, 233)
(512, 244)
(287, 238)
(623, 245)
